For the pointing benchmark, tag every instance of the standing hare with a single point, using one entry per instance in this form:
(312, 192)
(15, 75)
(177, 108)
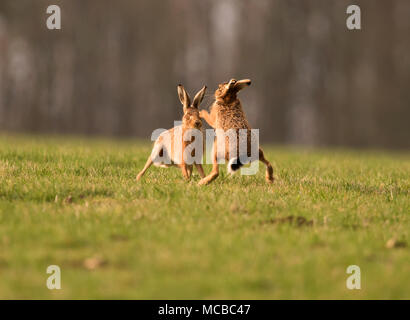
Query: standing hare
(173, 147)
(226, 115)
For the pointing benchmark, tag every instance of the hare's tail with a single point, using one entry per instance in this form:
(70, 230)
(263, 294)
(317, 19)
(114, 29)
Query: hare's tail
(234, 165)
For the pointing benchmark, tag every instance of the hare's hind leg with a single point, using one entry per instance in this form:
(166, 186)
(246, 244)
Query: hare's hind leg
(189, 171)
(157, 150)
(200, 170)
(215, 169)
(147, 165)
(269, 169)
(185, 171)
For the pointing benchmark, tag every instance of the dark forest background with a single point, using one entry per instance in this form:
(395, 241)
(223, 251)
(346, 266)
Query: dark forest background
(114, 67)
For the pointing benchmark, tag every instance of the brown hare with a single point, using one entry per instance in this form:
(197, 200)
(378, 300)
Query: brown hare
(226, 114)
(171, 149)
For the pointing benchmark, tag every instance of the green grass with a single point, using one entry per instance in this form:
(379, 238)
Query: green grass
(74, 203)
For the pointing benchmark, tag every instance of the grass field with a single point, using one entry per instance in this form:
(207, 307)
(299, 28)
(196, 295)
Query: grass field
(74, 203)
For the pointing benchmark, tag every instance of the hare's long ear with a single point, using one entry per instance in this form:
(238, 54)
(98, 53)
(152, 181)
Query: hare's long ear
(183, 96)
(199, 97)
(239, 85)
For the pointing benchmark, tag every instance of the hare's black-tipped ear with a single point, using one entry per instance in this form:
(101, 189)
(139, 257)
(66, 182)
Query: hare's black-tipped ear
(183, 96)
(199, 97)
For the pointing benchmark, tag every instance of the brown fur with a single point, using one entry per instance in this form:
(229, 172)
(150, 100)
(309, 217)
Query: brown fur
(226, 113)
(190, 120)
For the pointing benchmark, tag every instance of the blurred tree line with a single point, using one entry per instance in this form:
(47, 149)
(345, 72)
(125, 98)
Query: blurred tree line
(114, 67)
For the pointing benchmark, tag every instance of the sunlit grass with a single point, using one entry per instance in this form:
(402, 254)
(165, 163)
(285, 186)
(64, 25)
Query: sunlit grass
(74, 203)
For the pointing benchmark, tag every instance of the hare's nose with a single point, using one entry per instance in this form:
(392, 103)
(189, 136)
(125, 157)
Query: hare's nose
(198, 123)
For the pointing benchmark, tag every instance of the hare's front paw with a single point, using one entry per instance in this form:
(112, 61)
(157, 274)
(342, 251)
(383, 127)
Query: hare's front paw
(203, 182)
(202, 113)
